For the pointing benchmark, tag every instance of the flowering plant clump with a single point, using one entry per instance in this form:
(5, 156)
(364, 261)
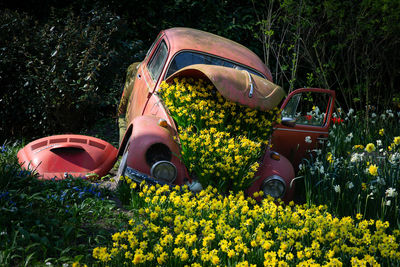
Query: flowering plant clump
(358, 171)
(177, 228)
(221, 141)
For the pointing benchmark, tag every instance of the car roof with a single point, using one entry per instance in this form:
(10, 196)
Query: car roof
(191, 39)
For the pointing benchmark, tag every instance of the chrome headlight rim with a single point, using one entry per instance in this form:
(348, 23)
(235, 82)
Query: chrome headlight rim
(274, 178)
(160, 163)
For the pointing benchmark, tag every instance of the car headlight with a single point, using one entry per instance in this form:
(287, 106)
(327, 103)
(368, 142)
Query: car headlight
(274, 186)
(164, 170)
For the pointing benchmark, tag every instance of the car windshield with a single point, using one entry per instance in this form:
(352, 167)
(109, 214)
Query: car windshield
(187, 58)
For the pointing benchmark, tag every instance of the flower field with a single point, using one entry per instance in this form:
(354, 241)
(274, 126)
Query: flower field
(177, 228)
(358, 172)
(350, 218)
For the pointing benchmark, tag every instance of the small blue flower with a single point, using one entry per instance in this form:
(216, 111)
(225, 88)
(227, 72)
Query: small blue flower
(5, 195)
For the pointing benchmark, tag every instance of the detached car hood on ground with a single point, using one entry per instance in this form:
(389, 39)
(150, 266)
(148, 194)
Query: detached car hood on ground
(69, 154)
(236, 85)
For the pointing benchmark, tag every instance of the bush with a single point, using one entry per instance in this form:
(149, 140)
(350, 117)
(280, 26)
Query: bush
(62, 75)
(344, 45)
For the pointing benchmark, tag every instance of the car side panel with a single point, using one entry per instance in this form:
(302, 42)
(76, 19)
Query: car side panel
(139, 97)
(155, 107)
(291, 141)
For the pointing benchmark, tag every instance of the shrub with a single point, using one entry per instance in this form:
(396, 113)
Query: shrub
(62, 75)
(344, 45)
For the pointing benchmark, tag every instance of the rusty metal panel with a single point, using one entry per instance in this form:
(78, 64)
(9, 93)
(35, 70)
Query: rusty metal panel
(235, 85)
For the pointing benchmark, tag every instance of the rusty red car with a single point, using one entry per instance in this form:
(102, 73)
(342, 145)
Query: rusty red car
(147, 146)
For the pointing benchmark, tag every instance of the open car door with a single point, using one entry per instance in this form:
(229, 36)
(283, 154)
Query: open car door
(306, 118)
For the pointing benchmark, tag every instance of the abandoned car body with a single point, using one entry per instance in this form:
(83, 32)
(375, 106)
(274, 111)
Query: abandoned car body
(148, 132)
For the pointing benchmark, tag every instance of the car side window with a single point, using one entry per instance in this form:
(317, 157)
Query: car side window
(308, 108)
(157, 62)
(152, 46)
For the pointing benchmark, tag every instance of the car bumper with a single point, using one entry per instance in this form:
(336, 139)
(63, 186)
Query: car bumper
(139, 177)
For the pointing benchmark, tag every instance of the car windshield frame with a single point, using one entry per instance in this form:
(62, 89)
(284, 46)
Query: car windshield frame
(210, 58)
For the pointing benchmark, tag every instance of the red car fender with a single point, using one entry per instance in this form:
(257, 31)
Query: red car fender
(282, 167)
(146, 132)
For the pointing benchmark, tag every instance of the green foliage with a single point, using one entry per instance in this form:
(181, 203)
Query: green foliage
(50, 221)
(359, 171)
(348, 46)
(61, 75)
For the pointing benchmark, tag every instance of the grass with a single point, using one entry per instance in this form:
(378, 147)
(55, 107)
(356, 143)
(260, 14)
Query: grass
(68, 222)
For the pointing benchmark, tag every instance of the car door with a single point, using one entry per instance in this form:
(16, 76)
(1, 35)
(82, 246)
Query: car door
(146, 80)
(312, 110)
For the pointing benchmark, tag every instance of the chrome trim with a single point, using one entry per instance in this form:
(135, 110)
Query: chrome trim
(138, 177)
(251, 85)
(163, 162)
(274, 177)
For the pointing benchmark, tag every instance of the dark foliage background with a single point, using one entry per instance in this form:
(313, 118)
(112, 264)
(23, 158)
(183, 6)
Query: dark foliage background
(62, 63)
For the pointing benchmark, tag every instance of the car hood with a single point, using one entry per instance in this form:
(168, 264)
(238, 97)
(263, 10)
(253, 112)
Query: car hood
(68, 154)
(238, 86)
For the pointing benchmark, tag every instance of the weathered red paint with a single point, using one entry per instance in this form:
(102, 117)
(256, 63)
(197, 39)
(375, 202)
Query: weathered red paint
(237, 86)
(78, 155)
(180, 39)
(147, 132)
(290, 141)
(75, 155)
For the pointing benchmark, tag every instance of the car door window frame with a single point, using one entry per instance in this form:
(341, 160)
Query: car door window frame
(160, 66)
(329, 109)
